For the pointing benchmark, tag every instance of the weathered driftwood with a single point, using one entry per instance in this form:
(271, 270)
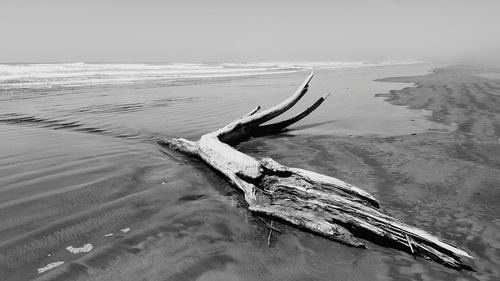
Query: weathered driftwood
(321, 204)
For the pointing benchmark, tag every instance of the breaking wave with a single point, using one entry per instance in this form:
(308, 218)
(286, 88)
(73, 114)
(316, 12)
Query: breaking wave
(75, 75)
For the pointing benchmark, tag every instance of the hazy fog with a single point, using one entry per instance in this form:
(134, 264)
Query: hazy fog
(237, 30)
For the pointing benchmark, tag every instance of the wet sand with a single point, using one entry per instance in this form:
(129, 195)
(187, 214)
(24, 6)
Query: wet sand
(152, 214)
(444, 182)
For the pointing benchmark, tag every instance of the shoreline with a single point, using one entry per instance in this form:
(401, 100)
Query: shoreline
(445, 182)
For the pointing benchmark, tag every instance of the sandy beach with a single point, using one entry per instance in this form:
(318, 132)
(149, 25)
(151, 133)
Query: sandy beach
(88, 185)
(249, 140)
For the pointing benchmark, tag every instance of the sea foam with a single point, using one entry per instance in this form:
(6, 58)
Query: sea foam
(85, 249)
(50, 266)
(75, 75)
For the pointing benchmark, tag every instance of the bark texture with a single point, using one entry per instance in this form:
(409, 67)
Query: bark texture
(318, 203)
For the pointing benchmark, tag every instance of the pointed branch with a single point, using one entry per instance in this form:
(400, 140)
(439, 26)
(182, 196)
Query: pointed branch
(277, 127)
(252, 112)
(279, 109)
(243, 127)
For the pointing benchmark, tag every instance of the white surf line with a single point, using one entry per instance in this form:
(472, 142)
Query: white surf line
(49, 266)
(125, 230)
(85, 249)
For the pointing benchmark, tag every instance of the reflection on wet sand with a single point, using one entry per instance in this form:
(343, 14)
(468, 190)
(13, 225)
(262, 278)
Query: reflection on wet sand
(153, 214)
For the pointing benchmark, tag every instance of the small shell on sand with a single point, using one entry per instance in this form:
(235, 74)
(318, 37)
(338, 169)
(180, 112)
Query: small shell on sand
(85, 249)
(125, 230)
(109, 234)
(50, 266)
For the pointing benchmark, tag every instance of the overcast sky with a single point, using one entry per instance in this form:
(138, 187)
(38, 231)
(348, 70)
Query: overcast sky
(254, 30)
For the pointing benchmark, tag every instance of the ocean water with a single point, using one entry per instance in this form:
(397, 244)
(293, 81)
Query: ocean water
(84, 188)
(57, 76)
(189, 99)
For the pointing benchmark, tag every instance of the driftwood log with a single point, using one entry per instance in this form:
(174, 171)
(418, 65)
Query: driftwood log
(318, 203)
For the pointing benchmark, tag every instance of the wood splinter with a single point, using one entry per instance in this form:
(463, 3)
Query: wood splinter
(270, 227)
(411, 248)
(317, 203)
(269, 237)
